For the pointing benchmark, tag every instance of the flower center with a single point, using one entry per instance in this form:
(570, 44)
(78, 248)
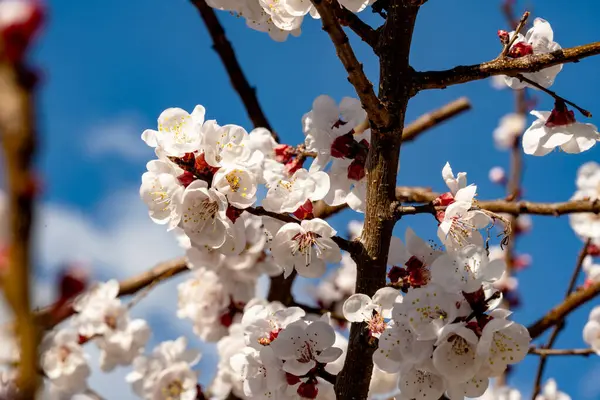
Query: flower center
(173, 390)
(234, 180)
(460, 347)
(306, 354)
(63, 353)
(376, 324)
(204, 211)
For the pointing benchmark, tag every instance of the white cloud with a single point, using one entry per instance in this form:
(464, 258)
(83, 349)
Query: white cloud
(119, 136)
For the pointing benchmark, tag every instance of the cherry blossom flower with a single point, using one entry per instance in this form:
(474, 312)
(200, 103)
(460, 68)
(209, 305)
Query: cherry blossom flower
(592, 271)
(163, 369)
(306, 247)
(361, 308)
(502, 342)
(591, 330)
(427, 309)
(466, 270)
(558, 129)
(178, 131)
(538, 40)
(587, 225)
(261, 372)
(104, 319)
(213, 302)
(224, 145)
(238, 184)
(262, 323)
(64, 363)
(399, 348)
(286, 196)
(162, 193)
(454, 183)
(455, 356)
(303, 345)
(421, 384)
(459, 224)
(203, 215)
(227, 380)
(326, 122)
(417, 255)
(550, 392)
(511, 126)
(177, 381)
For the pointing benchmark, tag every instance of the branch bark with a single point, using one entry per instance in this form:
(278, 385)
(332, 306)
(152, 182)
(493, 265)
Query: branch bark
(17, 127)
(376, 112)
(558, 313)
(395, 90)
(358, 26)
(503, 66)
(561, 352)
(435, 118)
(238, 80)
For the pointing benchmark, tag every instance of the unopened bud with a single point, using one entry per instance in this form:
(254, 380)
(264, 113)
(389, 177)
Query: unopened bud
(503, 36)
(497, 175)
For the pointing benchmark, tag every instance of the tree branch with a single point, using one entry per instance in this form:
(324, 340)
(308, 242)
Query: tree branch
(238, 80)
(561, 352)
(501, 66)
(163, 271)
(435, 118)
(376, 112)
(559, 312)
(18, 130)
(556, 331)
(358, 26)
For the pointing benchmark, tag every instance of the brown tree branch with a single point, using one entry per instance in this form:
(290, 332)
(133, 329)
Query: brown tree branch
(376, 112)
(435, 118)
(18, 137)
(501, 66)
(558, 327)
(558, 313)
(561, 352)
(238, 80)
(358, 26)
(47, 319)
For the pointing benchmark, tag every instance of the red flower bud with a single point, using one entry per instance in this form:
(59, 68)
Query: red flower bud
(503, 36)
(294, 165)
(291, 379)
(356, 170)
(18, 34)
(308, 390)
(560, 115)
(396, 273)
(186, 178)
(305, 211)
(342, 146)
(444, 199)
(284, 153)
(520, 49)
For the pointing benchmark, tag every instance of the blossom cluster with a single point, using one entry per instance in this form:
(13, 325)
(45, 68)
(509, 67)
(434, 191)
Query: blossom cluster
(551, 129)
(279, 18)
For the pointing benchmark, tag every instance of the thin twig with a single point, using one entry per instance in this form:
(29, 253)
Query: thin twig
(238, 80)
(518, 29)
(561, 352)
(506, 66)
(583, 111)
(356, 75)
(559, 326)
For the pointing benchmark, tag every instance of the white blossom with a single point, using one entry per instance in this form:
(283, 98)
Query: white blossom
(238, 184)
(550, 392)
(510, 127)
(538, 40)
(178, 131)
(286, 196)
(587, 225)
(591, 330)
(306, 247)
(65, 364)
(454, 183)
(162, 193)
(361, 308)
(544, 135)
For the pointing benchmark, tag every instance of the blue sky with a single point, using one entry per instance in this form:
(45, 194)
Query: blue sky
(110, 67)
